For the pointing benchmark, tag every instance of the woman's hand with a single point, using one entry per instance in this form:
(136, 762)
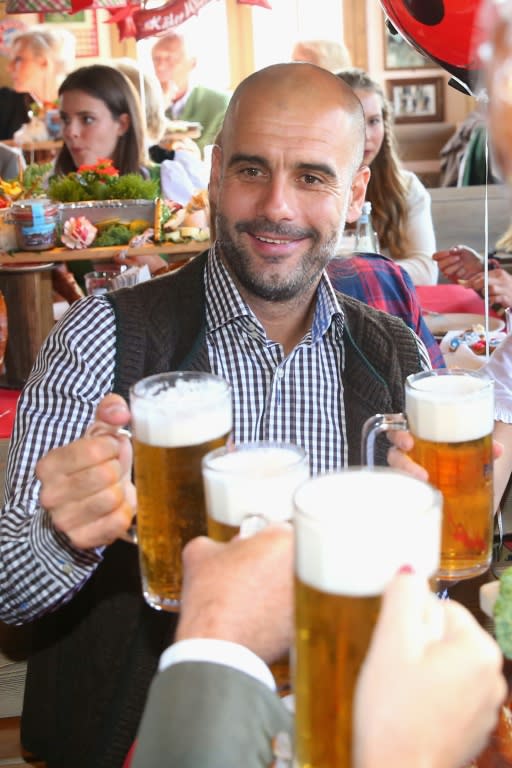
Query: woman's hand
(459, 262)
(499, 286)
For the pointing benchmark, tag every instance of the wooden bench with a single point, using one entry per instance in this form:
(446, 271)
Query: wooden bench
(459, 215)
(419, 147)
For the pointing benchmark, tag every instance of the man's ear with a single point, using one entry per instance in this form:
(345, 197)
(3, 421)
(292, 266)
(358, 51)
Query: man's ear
(215, 175)
(358, 193)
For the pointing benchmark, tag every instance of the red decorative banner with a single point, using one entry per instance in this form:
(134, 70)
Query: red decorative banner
(153, 22)
(134, 22)
(261, 3)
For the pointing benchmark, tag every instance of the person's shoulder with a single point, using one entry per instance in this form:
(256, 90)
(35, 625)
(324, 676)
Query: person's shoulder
(201, 92)
(416, 190)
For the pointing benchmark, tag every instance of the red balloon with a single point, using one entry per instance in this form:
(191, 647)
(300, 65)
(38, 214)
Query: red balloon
(443, 30)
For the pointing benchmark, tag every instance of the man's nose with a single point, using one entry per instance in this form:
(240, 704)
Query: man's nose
(277, 199)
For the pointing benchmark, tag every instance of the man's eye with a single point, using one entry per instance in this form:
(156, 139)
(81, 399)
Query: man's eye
(308, 178)
(251, 172)
(88, 119)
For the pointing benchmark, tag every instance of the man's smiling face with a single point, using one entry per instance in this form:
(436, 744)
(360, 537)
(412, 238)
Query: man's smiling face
(281, 185)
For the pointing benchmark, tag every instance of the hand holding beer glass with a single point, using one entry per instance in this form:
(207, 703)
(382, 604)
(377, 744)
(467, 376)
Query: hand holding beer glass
(354, 530)
(176, 419)
(450, 414)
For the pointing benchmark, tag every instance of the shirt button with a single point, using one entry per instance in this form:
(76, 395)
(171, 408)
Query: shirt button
(279, 373)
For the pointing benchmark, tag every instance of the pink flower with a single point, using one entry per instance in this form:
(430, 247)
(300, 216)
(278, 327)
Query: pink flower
(78, 232)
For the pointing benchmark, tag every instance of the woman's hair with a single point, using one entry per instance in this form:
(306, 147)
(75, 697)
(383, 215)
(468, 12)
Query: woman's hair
(386, 191)
(58, 45)
(153, 97)
(119, 96)
(327, 54)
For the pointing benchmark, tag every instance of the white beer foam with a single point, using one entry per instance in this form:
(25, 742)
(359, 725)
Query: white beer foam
(354, 529)
(450, 409)
(190, 413)
(259, 481)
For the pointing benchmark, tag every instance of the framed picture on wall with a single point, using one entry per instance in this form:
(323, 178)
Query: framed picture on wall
(417, 100)
(399, 54)
(84, 26)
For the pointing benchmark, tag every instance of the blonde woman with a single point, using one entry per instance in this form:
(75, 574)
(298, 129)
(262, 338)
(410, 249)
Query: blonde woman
(327, 54)
(39, 60)
(401, 206)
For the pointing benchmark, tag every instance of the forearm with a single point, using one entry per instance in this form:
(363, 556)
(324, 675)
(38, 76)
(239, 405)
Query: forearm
(40, 568)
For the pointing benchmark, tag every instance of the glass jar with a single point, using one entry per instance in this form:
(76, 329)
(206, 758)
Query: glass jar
(35, 221)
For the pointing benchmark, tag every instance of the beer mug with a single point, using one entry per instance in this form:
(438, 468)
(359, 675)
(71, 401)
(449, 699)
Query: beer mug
(450, 413)
(176, 419)
(251, 484)
(354, 530)
(248, 486)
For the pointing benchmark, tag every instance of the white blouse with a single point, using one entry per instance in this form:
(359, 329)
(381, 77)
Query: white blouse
(499, 368)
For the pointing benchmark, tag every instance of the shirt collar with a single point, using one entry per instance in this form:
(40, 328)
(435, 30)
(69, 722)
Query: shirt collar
(224, 303)
(178, 105)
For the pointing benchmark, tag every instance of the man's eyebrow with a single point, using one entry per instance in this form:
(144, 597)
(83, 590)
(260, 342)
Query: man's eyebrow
(327, 170)
(240, 157)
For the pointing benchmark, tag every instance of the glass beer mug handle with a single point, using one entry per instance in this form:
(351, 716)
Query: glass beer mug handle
(251, 524)
(96, 430)
(376, 425)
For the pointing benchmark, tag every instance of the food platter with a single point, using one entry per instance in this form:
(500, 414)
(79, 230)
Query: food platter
(442, 323)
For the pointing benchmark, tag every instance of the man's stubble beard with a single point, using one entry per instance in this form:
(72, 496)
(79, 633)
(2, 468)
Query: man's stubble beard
(274, 288)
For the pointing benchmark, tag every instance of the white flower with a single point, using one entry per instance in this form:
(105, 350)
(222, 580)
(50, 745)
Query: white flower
(78, 232)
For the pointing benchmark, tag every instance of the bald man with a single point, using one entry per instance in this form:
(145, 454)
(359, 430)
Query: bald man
(306, 365)
(174, 65)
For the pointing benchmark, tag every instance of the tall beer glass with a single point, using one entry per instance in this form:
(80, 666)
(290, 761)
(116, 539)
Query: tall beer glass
(251, 483)
(450, 413)
(176, 419)
(353, 530)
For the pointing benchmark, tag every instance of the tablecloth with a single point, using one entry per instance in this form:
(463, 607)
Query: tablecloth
(8, 401)
(451, 297)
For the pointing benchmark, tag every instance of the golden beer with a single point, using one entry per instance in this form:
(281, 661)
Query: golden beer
(328, 712)
(177, 419)
(451, 415)
(353, 530)
(251, 480)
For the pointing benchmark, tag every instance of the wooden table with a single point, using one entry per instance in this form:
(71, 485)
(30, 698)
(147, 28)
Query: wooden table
(29, 295)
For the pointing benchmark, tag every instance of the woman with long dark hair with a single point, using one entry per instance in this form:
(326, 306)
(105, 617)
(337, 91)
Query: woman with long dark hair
(101, 118)
(401, 206)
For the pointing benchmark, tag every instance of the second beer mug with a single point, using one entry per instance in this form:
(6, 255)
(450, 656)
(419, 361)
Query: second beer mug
(176, 419)
(450, 414)
(251, 482)
(354, 529)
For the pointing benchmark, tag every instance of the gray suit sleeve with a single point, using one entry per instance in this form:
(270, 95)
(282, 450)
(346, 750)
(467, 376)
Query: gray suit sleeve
(205, 715)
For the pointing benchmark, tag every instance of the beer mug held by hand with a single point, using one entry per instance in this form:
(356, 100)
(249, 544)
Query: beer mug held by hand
(176, 419)
(450, 414)
(354, 530)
